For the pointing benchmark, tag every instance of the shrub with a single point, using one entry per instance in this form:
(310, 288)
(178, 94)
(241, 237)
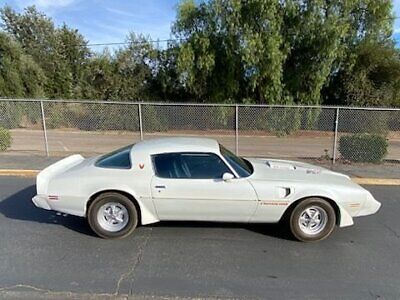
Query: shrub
(154, 119)
(310, 118)
(283, 121)
(56, 117)
(363, 147)
(363, 121)
(10, 114)
(280, 121)
(5, 139)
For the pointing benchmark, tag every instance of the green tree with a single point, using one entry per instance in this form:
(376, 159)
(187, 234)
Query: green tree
(99, 77)
(166, 84)
(133, 72)
(375, 76)
(259, 51)
(370, 23)
(313, 33)
(273, 51)
(61, 52)
(125, 75)
(20, 76)
(72, 53)
(232, 49)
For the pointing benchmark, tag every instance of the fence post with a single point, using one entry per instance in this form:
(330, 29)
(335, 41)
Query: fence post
(237, 130)
(140, 121)
(335, 138)
(46, 144)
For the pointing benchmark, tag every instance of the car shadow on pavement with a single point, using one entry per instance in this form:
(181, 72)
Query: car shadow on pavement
(273, 230)
(19, 206)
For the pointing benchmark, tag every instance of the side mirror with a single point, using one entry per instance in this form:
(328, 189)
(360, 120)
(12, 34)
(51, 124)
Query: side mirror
(227, 177)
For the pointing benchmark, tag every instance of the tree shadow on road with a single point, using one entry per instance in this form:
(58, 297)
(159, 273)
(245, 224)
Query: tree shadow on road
(19, 206)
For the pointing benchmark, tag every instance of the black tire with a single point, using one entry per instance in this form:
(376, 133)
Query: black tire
(320, 233)
(112, 197)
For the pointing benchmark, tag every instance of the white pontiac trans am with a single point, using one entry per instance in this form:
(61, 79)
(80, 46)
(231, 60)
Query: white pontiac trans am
(198, 179)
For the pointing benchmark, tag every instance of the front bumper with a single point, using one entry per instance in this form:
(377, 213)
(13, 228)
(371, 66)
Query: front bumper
(41, 202)
(370, 207)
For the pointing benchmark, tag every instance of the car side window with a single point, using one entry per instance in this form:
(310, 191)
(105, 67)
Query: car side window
(118, 159)
(168, 165)
(189, 165)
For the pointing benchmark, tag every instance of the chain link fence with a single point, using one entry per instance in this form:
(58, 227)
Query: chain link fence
(331, 134)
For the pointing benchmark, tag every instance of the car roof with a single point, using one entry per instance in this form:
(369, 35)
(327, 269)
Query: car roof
(177, 144)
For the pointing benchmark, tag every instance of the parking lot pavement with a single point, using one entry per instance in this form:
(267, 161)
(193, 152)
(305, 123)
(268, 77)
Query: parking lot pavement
(45, 254)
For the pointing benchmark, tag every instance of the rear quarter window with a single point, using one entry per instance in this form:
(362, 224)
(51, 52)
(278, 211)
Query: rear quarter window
(118, 159)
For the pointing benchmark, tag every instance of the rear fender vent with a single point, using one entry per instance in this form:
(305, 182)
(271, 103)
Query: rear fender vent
(284, 192)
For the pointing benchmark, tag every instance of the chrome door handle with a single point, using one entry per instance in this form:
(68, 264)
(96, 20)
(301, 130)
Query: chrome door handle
(160, 186)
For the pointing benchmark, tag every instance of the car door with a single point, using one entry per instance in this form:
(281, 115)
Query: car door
(189, 186)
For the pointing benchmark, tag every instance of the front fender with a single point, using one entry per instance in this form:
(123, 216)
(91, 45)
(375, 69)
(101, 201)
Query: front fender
(344, 217)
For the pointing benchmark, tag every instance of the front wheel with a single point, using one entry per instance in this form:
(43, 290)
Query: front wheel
(312, 220)
(112, 216)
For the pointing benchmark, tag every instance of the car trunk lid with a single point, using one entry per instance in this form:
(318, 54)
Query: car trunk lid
(44, 177)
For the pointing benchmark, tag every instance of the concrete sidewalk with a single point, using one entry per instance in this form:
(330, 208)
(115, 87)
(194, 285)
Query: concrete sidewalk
(365, 170)
(22, 161)
(254, 143)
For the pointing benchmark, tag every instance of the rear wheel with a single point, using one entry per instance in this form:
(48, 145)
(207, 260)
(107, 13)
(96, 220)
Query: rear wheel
(112, 216)
(312, 220)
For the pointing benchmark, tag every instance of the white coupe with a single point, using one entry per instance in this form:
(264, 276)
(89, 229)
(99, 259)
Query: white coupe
(198, 179)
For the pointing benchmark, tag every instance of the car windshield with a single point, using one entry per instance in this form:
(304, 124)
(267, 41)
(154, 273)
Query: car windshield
(240, 165)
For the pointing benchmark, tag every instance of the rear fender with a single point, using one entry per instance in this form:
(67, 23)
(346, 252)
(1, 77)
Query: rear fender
(148, 214)
(44, 177)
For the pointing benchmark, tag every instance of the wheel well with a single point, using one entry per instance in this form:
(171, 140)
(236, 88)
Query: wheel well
(289, 210)
(129, 196)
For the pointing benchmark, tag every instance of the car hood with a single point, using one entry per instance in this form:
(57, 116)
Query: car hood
(275, 169)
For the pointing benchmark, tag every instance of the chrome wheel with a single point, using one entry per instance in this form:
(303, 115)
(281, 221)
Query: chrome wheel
(313, 220)
(113, 216)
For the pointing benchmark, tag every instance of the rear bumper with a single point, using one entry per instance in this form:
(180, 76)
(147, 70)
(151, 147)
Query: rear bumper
(41, 202)
(65, 204)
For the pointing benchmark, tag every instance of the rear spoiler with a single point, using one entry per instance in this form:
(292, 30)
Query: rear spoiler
(43, 178)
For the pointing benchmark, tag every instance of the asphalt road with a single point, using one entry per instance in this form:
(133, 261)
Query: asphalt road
(52, 255)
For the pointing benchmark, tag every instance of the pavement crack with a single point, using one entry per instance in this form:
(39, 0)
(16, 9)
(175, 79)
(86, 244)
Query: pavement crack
(25, 286)
(51, 293)
(62, 258)
(136, 262)
(375, 296)
(391, 230)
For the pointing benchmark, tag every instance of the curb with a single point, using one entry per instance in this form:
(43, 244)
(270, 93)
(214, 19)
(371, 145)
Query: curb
(376, 181)
(19, 173)
(359, 180)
